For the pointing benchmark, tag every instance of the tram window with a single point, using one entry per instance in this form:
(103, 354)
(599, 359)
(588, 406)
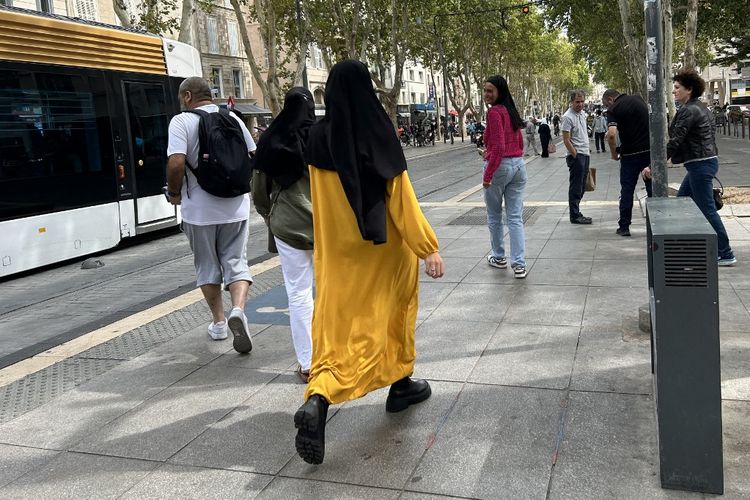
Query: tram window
(149, 124)
(52, 137)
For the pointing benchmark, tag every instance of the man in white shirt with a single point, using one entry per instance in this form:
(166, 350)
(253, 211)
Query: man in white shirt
(217, 228)
(576, 140)
(530, 136)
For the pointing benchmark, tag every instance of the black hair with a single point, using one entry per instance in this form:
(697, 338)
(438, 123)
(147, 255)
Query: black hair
(690, 79)
(504, 98)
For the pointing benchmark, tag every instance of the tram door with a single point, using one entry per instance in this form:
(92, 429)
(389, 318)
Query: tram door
(148, 124)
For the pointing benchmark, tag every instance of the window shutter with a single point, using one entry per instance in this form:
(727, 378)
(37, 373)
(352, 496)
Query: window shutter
(86, 9)
(234, 43)
(213, 36)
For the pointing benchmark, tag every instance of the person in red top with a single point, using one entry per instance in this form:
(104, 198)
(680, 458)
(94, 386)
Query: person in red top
(504, 175)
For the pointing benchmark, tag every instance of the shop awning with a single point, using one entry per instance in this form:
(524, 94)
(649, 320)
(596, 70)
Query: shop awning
(249, 109)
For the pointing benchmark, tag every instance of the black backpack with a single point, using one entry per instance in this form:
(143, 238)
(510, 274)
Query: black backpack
(224, 167)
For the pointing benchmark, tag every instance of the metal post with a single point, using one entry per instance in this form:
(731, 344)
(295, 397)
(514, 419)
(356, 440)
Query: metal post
(445, 80)
(656, 100)
(305, 83)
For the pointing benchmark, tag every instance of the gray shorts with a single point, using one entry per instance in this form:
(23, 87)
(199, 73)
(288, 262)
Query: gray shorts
(219, 252)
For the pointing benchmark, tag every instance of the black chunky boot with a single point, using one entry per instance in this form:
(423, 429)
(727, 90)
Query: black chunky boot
(405, 392)
(310, 420)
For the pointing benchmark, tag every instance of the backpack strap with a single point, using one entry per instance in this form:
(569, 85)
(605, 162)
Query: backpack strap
(202, 114)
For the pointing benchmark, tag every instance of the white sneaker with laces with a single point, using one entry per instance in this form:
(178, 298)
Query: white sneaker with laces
(500, 263)
(519, 272)
(217, 331)
(238, 325)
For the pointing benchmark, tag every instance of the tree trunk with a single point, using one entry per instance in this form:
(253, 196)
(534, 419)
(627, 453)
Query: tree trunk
(122, 13)
(636, 56)
(270, 94)
(691, 31)
(186, 22)
(668, 51)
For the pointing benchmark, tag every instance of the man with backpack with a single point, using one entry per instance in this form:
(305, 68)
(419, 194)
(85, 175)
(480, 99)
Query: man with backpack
(208, 175)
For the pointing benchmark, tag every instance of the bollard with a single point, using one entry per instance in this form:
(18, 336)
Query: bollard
(684, 305)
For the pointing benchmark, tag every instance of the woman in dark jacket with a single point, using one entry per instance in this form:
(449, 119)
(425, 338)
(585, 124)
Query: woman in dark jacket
(545, 135)
(692, 141)
(281, 194)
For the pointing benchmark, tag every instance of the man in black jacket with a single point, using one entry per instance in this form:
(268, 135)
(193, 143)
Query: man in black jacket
(627, 115)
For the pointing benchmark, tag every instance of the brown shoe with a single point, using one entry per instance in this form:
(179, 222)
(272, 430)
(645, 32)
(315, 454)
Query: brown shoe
(304, 375)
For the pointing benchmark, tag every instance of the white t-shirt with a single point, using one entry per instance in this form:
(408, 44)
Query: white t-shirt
(198, 207)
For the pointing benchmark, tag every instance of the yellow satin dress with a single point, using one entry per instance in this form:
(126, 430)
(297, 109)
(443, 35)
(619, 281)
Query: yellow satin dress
(366, 295)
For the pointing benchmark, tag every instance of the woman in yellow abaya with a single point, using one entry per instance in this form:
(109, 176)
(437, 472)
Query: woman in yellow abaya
(369, 233)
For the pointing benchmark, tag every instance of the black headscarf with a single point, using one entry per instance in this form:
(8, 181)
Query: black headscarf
(281, 148)
(357, 140)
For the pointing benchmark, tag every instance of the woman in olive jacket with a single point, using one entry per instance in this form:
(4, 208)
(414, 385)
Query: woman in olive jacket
(692, 141)
(281, 194)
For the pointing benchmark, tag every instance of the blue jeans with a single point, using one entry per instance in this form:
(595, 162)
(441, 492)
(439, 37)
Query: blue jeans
(508, 182)
(630, 169)
(698, 184)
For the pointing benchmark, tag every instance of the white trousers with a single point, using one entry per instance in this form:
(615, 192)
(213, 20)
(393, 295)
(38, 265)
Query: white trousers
(297, 267)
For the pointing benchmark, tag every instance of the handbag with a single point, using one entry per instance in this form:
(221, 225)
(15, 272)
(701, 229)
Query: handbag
(591, 179)
(718, 195)
(552, 149)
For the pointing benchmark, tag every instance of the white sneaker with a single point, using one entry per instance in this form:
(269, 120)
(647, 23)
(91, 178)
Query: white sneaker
(218, 331)
(238, 325)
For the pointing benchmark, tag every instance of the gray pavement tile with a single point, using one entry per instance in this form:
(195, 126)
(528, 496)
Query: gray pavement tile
(272, 350)
(528, 355)
(284, 488)
(559, 272)
(367, 446)
(194, 347)
(476, 302)
(466, 247)
(456, 269)
(167, 422)
(178, 482)
(496, 443)
(444, 243)
(633, 273)
(539, 231)
(431, 295)
(257, 436)
(410, 495)
(478, 233)
(567, 231)
(77, 475)
(547, 305)
(569, 249)
(735, 370)
(621, 249)
(733, 314)
(609, 450)
(739, 274)
(736, 429)
(610, 362)
(614, 309)
(735, 230)
(533, 247)
(448, 350)
(94, 404)
(450, 232)
(16, 461)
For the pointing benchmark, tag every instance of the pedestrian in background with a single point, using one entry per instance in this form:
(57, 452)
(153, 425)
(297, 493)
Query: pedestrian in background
(369, 235)
(504, 176)
(692, 141)
(600, 130)
(281, 193)
(530, 136)
(216, 227)
(576, 140)
(627, 118)
(545, 136)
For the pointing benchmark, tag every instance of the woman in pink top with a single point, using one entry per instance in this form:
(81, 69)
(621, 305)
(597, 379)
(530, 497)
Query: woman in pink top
(504, 175)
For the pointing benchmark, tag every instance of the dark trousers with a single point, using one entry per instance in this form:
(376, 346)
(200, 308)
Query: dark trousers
(545, 145)
(578, 168)
(698, 184)
(630, 169)
(599, 139)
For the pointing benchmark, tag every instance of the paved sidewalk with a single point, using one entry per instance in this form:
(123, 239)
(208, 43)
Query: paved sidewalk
(541, 387)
